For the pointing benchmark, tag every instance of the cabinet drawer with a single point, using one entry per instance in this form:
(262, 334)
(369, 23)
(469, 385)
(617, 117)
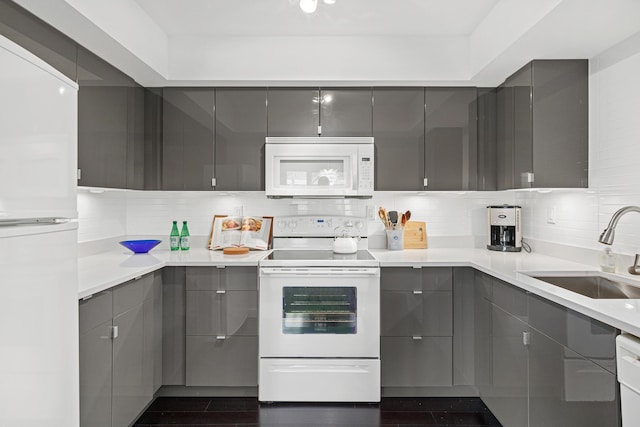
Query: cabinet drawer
(406, 314)
(214, 279)
(95, 311)
(407, 362)
(229, 313)
(215, 362)
(410, 279)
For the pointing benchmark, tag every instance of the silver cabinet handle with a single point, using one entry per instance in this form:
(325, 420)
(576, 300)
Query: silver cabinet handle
(221, 337)
(416, 338)
(221, 292)
(114, 332)
(417, 292)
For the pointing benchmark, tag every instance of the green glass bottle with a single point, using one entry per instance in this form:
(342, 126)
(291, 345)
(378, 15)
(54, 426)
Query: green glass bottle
(184, 237)
(174, 237)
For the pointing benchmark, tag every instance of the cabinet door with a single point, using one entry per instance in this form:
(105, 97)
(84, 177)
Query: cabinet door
(132, 381)
(398, 130)
(229, 362)
(135, 138)
(188, 138)
(103, 102)
(521, 85)
(487, 139)
(96, 360)
(241, 128)
(408, 362)
(451, 141)
(293, 112)
(173, 325)
(568, 390)
(561, 123)
(130, 395)
(346, 112)
(507, 397)
(504, 138)
(483, 334)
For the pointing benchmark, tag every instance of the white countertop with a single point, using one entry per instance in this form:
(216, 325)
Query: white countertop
(107, 269)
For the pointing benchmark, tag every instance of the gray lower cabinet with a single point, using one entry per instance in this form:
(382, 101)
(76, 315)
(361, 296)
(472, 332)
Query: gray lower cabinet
(546, 364)
(221, 327)
(119, 351)
(96, 360)
(543, 126)
(240, 131)
(416, 327)
(188, 138)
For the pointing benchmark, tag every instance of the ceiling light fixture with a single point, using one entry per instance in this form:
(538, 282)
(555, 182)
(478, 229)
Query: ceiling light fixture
(310, 6)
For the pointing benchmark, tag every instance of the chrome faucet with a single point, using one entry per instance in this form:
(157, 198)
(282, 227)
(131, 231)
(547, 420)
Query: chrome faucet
(608, 234)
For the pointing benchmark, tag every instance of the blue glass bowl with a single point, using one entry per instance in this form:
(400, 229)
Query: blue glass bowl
(140, 246)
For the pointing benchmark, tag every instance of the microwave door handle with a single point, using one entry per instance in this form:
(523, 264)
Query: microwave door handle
(354, 171)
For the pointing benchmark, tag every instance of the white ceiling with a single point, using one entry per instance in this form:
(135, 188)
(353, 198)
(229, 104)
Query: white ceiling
(352, 42)
(345, 17)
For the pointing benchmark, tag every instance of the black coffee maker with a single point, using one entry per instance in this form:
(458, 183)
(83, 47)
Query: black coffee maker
(505, 233)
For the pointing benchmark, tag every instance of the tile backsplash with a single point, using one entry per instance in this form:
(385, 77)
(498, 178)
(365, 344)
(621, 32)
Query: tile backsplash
(568, 217)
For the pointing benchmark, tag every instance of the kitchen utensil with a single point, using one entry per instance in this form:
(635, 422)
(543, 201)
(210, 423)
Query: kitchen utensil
(140, 246)
(403, 220)
(415, 235)
(382, 213)
(393, 217)
(408, 215)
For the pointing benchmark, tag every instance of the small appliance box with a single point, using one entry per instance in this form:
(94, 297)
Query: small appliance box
(505, 231)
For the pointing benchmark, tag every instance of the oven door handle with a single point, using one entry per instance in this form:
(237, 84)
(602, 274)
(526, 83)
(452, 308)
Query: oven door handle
(320, 271)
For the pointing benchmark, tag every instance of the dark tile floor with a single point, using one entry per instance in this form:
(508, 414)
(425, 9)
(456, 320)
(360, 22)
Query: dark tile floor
(248, 412)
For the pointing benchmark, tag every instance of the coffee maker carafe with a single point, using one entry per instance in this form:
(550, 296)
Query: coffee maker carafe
(504, 228)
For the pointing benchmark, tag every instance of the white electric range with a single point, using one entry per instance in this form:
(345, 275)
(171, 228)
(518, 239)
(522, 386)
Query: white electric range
(319, 318)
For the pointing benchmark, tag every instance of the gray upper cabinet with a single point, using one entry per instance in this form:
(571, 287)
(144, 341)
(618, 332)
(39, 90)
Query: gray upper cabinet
(398, 130)
(319, 112)
(188, 139)
(293, 112)
(451, 139)
(346, 112)
(240, 131)
(543, 126)
(103, 122)
(487, 139)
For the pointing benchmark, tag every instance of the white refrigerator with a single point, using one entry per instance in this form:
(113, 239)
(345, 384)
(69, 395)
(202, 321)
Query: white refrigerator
(38, 243)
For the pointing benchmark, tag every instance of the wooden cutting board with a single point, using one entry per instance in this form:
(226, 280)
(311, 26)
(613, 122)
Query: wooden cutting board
(235, 251)
(415, 235)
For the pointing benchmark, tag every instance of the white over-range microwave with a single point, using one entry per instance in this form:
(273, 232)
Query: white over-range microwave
(319, 167)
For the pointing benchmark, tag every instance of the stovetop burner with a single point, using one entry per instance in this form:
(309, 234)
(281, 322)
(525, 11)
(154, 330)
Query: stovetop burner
(317, 255)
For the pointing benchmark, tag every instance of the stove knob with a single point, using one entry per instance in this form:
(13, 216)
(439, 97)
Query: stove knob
(328, 223)
(293, 224)
(281, 224)
(359, 225)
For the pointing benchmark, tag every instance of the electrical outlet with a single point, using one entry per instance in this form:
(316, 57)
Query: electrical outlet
(551, 215)
(237, 210)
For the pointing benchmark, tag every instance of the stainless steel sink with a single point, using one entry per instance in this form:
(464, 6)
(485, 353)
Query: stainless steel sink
(593, 286)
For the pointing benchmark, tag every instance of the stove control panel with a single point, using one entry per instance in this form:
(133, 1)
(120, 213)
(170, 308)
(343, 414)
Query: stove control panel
(318, 226)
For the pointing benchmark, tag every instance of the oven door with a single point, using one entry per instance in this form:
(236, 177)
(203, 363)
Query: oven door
(319, 312)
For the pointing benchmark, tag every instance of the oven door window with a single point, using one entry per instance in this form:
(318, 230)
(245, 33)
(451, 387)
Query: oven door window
(319, 310)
